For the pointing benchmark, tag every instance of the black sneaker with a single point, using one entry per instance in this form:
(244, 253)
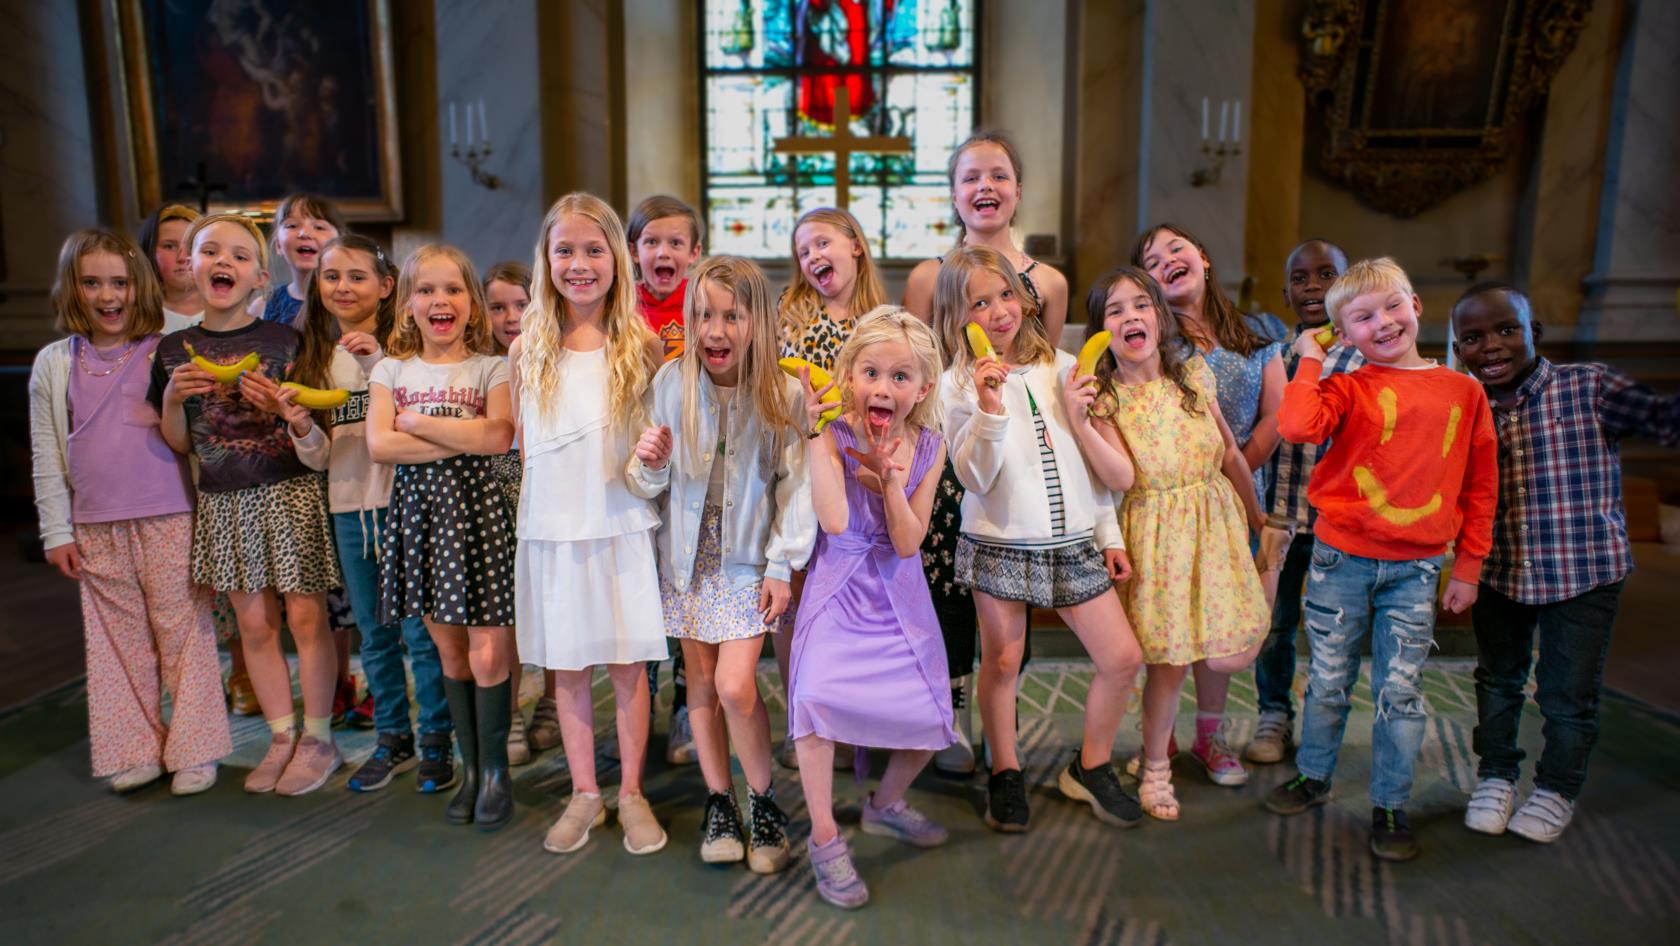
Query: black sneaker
(1006, 802)
(392, 756)
(767, 844)
(437, 763)
(1391, 835)
(723, 842)
(1100, 788)
(1297, 795)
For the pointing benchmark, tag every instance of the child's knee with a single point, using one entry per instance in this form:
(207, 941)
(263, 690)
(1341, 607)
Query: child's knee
(738, 694)
(1003, 661)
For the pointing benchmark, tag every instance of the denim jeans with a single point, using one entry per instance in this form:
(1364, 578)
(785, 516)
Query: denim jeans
(1574, 641)
(1348, 596)
(382, 644)
(1274, 669)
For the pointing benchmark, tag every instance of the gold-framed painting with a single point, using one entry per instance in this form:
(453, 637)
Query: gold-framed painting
(1420, 99)
(245, 101)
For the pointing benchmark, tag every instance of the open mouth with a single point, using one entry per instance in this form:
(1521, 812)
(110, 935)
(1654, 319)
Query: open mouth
(305, 251)
(880, 416)
(222, 282)
(441, 322)
(1387, 339)
(110, 313)
(823, 274)
(1135, 337)
(581, 283)
(1495, 368)
(717, 357)
(664, 273)
(1174, 273)
(1312, 305)
(987, 205)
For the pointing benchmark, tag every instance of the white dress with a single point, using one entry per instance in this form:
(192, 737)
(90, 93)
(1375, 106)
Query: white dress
(586, 583)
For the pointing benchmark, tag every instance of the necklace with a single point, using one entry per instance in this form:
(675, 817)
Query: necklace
(81, 357)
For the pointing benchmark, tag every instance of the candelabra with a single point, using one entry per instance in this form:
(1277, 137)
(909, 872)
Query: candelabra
(1227, 145)
(476, 151)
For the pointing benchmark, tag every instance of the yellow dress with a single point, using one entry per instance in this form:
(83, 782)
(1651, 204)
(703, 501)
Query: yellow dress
(1194, 592)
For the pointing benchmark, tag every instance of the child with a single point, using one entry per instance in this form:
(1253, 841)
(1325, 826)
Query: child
(439, 408)
(1560, 554)
(586, 574)
(116, 515)
(1037, 530)
(868, 667)
(350, 304)
(1286, 542)
(261, 528)
(163, 237)
(303, 224)
(1411, 469)
(1196, 597)
(737, 521)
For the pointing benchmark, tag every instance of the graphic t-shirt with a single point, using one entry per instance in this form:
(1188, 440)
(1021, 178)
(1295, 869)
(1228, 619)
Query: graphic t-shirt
(664, 316)
(457, 389)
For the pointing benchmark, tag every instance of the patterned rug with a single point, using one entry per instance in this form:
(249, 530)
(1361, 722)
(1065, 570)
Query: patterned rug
(80, 865)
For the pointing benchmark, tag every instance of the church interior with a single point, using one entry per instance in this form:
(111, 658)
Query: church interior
(1529, 142)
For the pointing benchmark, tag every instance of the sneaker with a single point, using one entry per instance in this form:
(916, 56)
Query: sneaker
(1297, 795)
(1490, 806)
(280, 747)
(583, 814)
(392, 755)
(194, 779)
(837, 879)
(242, 696)
(1273, 738)
(1100, 788)
(138, 777)
(767, 842)
(723, 842)
(898, 820)
(518, 740)
(361, 715)
(1006, 802)
(1391, 835)
(679, 745)
(437, 763)
(1221, 763)
(1135, 763)
(312, 764)
(642, 833)
(344, 697)
(544, 732)
(1543, 817)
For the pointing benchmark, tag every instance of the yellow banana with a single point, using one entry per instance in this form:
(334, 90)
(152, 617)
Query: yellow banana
(1377, 496)
(317, 399)
(1090, 352)
(819, 378)
(1325, 337)
(225, 374)
(978, 342)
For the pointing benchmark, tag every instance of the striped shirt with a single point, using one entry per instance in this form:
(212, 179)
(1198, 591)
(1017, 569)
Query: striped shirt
(1292, 464)
(1052, 478)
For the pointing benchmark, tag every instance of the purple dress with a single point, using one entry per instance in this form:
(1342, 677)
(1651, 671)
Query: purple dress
(868, 665)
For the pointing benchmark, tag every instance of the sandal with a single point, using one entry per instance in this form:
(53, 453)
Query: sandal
(1155, 791)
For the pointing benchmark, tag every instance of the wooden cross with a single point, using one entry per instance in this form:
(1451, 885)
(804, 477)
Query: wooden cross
(201, 183)
(843, 144)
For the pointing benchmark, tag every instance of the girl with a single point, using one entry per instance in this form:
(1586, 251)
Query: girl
(350, 304)
(438, 407)
(262, 527)
(303, 224)
(116, 515)
(1037, 530)
(1245, 357)
(868, 667)
(588, 592)
(736, 523)
(1196, 597)
(163, 237)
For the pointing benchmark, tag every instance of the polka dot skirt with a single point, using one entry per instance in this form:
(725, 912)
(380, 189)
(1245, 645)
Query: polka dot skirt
(448, 545)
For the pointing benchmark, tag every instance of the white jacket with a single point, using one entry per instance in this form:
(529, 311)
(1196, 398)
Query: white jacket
(996, 458)
(49, 436)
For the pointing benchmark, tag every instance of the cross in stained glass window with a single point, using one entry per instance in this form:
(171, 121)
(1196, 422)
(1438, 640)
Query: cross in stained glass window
(843, 144)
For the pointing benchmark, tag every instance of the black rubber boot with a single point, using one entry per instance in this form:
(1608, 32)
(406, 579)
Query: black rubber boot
(462, 715)
(495, 786)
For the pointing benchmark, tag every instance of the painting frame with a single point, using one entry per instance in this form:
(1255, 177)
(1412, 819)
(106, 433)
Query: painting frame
(375, 194)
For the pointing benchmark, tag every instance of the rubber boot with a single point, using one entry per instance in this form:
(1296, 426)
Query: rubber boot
(462, 715)
(494, 709)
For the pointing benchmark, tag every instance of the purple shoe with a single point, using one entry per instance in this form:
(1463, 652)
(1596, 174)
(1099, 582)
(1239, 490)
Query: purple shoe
(837, 880)
(898, 820)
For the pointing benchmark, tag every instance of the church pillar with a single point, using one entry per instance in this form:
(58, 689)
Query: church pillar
(581, 63)
(1273, 224)
(1106, 164)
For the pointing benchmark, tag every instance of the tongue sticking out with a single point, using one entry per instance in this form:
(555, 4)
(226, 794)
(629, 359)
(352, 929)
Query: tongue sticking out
(880, 417)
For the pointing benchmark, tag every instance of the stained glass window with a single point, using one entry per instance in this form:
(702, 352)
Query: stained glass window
(773, 70)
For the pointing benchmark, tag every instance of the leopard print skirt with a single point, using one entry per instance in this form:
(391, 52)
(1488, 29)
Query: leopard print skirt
(275, 536)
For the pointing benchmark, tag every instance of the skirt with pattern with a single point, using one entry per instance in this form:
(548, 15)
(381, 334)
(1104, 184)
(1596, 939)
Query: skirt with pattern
(1057, 577)
(273, 536)
(448, 545)
(952, 602)
(714, 609)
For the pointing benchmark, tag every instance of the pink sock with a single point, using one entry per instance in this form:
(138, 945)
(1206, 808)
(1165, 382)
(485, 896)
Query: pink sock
(1207, 726)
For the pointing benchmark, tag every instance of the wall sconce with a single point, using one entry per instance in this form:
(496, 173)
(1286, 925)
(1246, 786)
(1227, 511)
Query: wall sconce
(1227, 145)
(476, 150)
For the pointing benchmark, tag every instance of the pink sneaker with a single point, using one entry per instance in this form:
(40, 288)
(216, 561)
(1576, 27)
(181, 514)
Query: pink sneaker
(312, 764)
(1223, 767)
(262, 779)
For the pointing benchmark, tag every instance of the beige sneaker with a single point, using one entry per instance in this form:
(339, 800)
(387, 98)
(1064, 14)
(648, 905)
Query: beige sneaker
(544, 732)
(138, 777)
(571, 832)
(518, 746)
(642, 833)
(312, 764)
(280, 747)
(194, 779)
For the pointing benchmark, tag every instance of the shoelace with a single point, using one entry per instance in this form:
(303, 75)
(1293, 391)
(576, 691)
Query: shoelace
(722, 822)
(768, 821)
(1271, 729)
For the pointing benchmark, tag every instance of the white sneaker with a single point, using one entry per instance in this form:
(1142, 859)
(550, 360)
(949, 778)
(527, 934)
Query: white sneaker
(191, 781)
(1272, 738)
(679, 744)
(1490, 806)
(1543, 817)
(137, 777)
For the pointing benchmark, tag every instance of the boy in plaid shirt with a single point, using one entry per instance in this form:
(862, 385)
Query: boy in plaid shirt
(1560, 553)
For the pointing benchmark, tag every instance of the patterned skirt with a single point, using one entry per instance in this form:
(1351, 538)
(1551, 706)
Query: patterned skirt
(274, 536)
(448, 545)
(714, 609)
(1058, 577)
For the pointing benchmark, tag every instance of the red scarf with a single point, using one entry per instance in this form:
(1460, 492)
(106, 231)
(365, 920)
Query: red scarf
(664, 316)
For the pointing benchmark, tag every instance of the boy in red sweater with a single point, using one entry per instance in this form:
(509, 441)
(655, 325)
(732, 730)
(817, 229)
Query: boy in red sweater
(1411, 469)
(664, 236)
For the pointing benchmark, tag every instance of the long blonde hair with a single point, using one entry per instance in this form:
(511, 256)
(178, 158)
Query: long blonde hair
(801, 304)
(405, 336)
(891, 323)
(761, 379)
(950, 308)
(629, 340)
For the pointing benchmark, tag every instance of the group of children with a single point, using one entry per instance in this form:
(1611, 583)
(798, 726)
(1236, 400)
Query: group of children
(627, 443)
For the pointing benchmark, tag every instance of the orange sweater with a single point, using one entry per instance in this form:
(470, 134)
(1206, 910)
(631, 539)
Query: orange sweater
(1412, 466)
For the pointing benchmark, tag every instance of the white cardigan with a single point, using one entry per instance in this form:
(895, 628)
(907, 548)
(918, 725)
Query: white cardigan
(996, 458)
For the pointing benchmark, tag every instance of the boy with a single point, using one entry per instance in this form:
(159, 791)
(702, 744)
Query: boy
(1560, 554)
(1411, 471)
(1308, 273)
(664, 236)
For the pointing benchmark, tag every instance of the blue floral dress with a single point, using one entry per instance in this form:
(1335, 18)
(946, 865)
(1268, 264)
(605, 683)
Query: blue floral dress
(1239, 380)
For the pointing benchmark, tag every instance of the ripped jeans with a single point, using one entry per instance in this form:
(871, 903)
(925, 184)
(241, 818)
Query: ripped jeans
(1348, 595)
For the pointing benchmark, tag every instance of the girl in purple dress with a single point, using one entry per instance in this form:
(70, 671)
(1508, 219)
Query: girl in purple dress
(868, 665)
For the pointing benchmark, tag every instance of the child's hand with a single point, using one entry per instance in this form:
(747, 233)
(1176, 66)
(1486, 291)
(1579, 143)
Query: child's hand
(1458, 596)
(773, 597)
(1078, 396)
(879, 460)
(359, 343)
(654, 448)
(1307, 346)
(1119, 565)
(989, 375)
(409, 422)
(67, 559)
(814, 406)
(187, 380)
(266, 395)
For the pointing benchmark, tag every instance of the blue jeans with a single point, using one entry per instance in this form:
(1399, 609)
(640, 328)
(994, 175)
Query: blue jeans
(1349, 596)
(1274, 669)
(382, 643)
(1574, 640)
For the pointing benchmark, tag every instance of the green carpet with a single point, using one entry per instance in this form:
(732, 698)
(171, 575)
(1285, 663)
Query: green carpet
(80, 865)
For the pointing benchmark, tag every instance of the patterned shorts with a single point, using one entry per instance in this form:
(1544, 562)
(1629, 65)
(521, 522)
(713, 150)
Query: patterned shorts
(1058, 577)
(714, 609)
(275, 536)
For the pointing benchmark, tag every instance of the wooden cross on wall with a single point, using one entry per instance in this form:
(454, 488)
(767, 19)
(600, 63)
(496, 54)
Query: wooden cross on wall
(843, 144)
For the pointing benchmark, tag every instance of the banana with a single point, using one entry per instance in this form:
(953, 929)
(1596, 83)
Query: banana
(225, 374)
(978, 342)
(819, 378)
(1090, 352)
(317, 399)
(1325, 337)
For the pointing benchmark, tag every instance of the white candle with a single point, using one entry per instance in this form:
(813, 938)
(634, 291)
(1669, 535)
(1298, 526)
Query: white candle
(452, 123)
(1236, 123)
(469, 125)
(1224, 117)
(483, 126)
(1204, 118)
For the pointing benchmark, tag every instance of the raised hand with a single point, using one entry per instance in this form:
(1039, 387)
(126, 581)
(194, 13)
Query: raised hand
(989, 374)
(1307, 346)
(359, 343)
(880, 458)
(654, 447)
(814, 405)
(1078, 395)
